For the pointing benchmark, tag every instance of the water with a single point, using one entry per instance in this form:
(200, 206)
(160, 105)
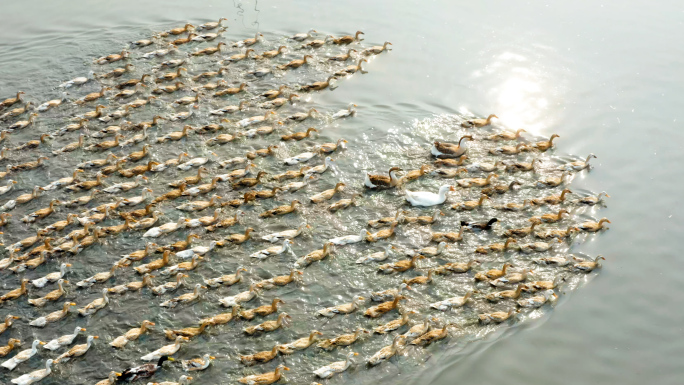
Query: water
(595, 74)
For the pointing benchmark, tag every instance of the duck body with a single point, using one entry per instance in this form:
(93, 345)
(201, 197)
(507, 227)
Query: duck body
(427, 199)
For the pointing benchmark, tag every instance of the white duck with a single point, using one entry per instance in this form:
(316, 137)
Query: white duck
(300, 158)
(350, 111)
(77, 81)
(194, 162)
(426, 198)
(5, 189)
(275, 250)
(328, 371)
(377, 256)
(167, 350)
(239, 298)
(64, 340)
(34, 376)
(198, 250)
(287, 234)
(52, 277)
(165, 229)
(22, 356)
(255, 119)
(125, 186)
(452, 302)
(349, 239)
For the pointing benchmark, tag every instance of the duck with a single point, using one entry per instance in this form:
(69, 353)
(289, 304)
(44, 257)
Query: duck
(239, 298)
(92, 96)
(551, 217)
(20, 125)
(537, 301)
(77, 350)
(588, 266)
(7, 188)
(299, 135)
(34, 376)
(203, 221)
(592, 200)
(276, 250)
(381, 234)
(269, 326)
(300, 158)
(260, 357)
(346, 308)
(223, 318)
(250, 41)
(500, 188)
(195, 162)
(387, 352)
(165, 228)
(450, 150)
(389, 294)
(430, 251)
(493, 273)
(52, 277)
(479, 226)
(509, 150)
(229, 109)
(496, 247)
(328, 371)
(343, 340)
(343, 203)
(511, 278)
(94, 306)
(303, 36)
(8, 170)
(378, 310)
(381, 181)
(170, 76)
(226, 222)
(60, 182)
(553, 181)
(479, 123)
(327, 194)
(506, 294)
(186, 266)
(171, 285)
(22, 356)
(226, 280)
(11, 344)
(190, 180)
(316, 255)
(545, 145)
(456, 267)
(427, 199)
(169, 89)
(286, 234)
(125, 186)
(316, 43)
(296, 63)
(30, 165)
(476, 182)
(71, 146)
(78, 81)
(209, 50)
(111, 379)
(154, 265)
(187, 332)
(432, 336)
(495, 317)
(552, 199)
(280, 210)
(539, 247)
(523, 231)
(51, 296)
(352, 69)
(175, 135)
(248, 182)
(556, 233)
(261, 311)
(578, 165)
(112, 58)
(375, 50)
(117, 72)
(470, 205)
(42, 213)
(144, 371)
(394, 324)
(279, 102)
(452, 302)
(349, 239)
(265, 378)
(9, 320)
(52, 317)
(125, 111)
(196, 364)
(185, 298)
(505, 135)
(31, 144)
(400, 266)
(421, 279)
(424, 219)
(133, 285)
(319, 86)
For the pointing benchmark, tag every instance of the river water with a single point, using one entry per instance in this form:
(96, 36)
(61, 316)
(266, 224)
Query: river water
(604, 76)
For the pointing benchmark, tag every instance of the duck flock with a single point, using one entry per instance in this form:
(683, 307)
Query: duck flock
(198, 211)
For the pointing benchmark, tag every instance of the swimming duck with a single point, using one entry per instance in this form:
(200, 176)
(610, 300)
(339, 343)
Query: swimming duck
(381, 181)
(11, 101)
(239, 298)
(316, 43)
(184, 40)
(588, 266)
(509, 150)
(523, 231)
(197, 364)
(52, 317)
(260, 357)
(187, 332)
(578, 165)
(5, 189)
(537, 301)
(125, 111)
(154, 265)
(375, 50)
(382, 234)
(269, 326)
(95, 305)
(299, 135)
(328, 371)
(496, 247)
(20, 125)
(209, 50)
(52, 277)
(427, 199)
(513, 206)
(34, 376)
(276, 250)
(430, 251)
(185, 298)
(476, 182)
(133, 285)
(506, 294)
(346, 308)
(11, 344)
(112, 58)
(545, 145)
(300, 158)
(279, 102)
(556, 233)
(50, 104)
(169, 89)
(79, 81)
(170, 286)
(479, 226)
(522, 166)
(432, 336)
(553, 181)
(8, 170)
(394, 324)
(495, 317)
(42, 213)
(71, 146)
(204, 221)
(327, 194)
(343, 203)
(165, 228)
(316, 255)
(280, 210)
(261, 311)
(195, 162)
(450, 150)
(51, 296)
(511, 278)
(421, 279)
(349, 70)
(248, 182)
(318, 86)
(387, 352)
(296, 63)
(470, 205)
(400, 266)
(592, 200)
(92, 96)
(552, 200)
(82, 123)
(479, 123)
(61, 182)
(505, 135)
(378, 310)
(191, 265)
(265, 378)
(226, 280)
(16, 111)
(271, 54)
(146, 370)
(30, 165)
(283, 280)
(537, 247)
(553, 218)
(76, 351)
(110, 380)
(249, 42)
(22, 356)
(238, 239)
(303, 36)
(452, 302)
(124, 94)
(238, 57)
(349, 239)
(9, 320)
(493, 273)
(117, 72)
